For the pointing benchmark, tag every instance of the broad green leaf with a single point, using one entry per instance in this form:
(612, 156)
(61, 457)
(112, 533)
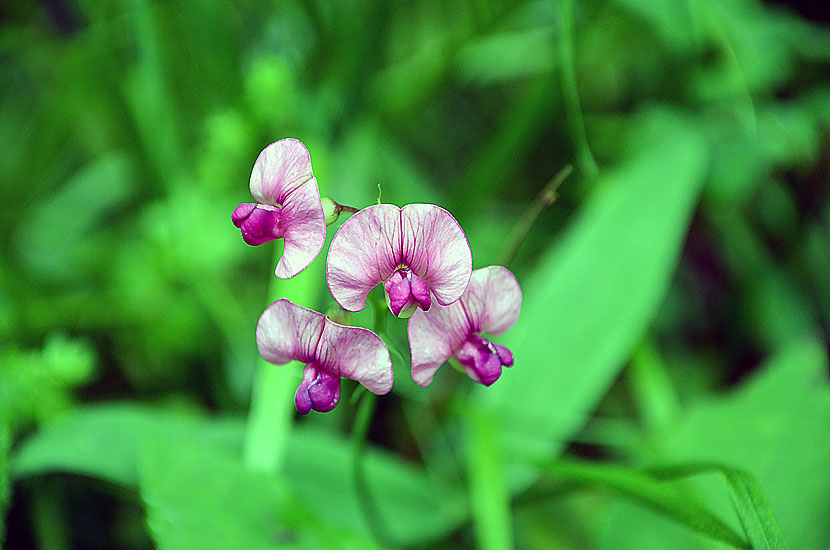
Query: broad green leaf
(774, 428)
(199, 497)
(645, 489)
(103, 441)
(412, 507)
(591, 298)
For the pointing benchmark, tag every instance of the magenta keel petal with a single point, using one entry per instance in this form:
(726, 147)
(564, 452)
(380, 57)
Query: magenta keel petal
(398, 293)
(259, 223)
(482, 360)
(319, 391)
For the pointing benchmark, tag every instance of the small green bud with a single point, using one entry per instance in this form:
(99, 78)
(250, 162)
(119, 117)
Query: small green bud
(331, 210)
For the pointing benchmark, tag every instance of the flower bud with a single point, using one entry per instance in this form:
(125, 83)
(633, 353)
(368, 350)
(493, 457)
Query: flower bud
(331, 210)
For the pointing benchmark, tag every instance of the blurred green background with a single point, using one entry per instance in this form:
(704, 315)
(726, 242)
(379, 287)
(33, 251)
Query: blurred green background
(676, 296)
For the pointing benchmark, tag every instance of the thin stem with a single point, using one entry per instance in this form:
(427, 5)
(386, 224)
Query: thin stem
(349, 209)
(368, 506)
(570, 91)
(544, 199)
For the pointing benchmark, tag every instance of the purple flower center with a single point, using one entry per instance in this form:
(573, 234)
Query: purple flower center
(319, 390)
(260, 223)
(405, 291)
(482, 359)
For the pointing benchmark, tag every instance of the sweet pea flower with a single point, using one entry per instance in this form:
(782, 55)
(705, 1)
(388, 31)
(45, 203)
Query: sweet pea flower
(416, 252)
(490, 304)
(288, 332)
(287, 206)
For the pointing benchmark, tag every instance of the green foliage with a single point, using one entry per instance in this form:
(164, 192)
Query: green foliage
(197, 497)
(775, 429)
(110, 442)
(607, 277)
(675, 306)
(35, 385)
(647, 490)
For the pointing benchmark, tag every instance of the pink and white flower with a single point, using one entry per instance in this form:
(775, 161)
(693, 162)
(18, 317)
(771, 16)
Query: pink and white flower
(490, 304)
(416, 252)
(288, 332)
(288, 206)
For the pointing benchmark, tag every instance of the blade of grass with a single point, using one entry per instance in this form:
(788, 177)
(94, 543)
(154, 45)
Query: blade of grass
(649, 491)
(748, 498)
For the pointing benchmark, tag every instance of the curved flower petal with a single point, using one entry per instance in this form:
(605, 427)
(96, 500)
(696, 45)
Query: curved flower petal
(287, 332)
(435, 248)
(491, 303)
(378, 240)
(434, 336)
(356, 353)
(364, 252)
(279, 169)
(304, 226)
(493, 299)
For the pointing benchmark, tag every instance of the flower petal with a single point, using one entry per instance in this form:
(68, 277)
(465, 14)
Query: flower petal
(491, 303)
(358, 354)
(364, 252)
(493, 299)
(433, 338)
(279, 169)
(304, 226)
(435, 248)
(287, 332)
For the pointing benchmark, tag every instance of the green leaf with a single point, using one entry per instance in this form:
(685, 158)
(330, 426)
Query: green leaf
(646, 490)
(751, 504)
(103, 441)
(775, 428)
(412, 507)
(591, 298)
(755, 511)
(199, 497)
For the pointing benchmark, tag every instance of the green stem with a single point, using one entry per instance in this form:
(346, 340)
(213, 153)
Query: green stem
(271, 416)
(272, 404)
(544, 199)
(368, 506)
(489, 495)
(570, 91)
